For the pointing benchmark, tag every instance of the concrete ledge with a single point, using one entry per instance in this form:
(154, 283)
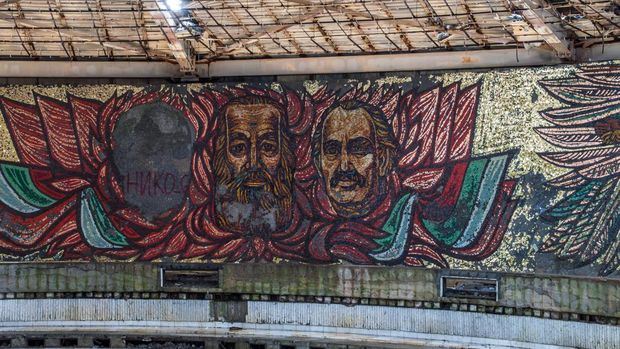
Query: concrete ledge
(416, 61)
(333, 323)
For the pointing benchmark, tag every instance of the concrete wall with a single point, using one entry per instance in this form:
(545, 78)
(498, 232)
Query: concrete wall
(518, 294)
(506, 170)
(307, 305)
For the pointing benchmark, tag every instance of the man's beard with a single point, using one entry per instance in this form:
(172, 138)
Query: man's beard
(253, 211)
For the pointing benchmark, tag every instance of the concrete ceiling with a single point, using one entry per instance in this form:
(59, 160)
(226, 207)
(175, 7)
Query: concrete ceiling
(192, 34)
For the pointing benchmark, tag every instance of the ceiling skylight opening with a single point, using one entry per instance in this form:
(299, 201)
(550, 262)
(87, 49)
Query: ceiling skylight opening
(174, 5)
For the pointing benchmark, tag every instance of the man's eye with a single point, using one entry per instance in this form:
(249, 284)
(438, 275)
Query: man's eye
(360, 150)
(237, 149)
(331, 149)
(359, 147)
(268, 147)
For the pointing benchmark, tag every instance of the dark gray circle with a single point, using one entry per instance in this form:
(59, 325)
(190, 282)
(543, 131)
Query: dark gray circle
(152, 150)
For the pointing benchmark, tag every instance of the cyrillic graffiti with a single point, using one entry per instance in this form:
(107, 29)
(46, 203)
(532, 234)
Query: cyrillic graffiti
(150, 183)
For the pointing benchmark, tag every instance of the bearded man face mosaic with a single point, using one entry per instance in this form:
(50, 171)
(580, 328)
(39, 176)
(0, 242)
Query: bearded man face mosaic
(253, 167)
(353, 151)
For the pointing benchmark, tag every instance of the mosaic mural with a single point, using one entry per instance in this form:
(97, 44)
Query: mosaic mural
(419, 171)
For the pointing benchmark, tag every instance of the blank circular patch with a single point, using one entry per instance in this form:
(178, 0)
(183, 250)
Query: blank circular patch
(152, 151)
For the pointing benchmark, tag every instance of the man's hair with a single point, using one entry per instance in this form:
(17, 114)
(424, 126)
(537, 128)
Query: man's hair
(284, 177)
(251, 100)
(384, 135)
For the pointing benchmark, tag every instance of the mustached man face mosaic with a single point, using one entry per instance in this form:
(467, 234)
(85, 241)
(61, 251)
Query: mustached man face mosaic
(354, 158)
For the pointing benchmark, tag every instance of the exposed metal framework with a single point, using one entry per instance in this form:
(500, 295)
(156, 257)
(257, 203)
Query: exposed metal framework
(204, 31)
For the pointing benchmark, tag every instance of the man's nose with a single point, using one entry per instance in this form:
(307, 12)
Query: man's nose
(253, 156)
(344, 160)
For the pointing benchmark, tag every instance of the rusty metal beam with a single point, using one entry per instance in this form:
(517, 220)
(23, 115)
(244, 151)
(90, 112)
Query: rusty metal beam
(181, 49)
(288, 35)
(7, 2)
(249, 33)
(104, 24)
(401, 34)
(494, 58)
(27, 35)
(347, 11)
(328, 39)
(535, 16)
(87, 69)
(255, 38)
(78, 35)
(63, 21)
(364, 37)
(277, 66)
(380, 63)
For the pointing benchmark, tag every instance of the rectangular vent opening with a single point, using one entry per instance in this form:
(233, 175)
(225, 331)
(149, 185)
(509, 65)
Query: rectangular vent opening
(68, 342)
(35, 342)
(203, 278)
(162, 343)
(101, 342)
(466, 287)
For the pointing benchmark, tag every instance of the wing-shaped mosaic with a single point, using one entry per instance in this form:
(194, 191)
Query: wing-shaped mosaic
(587, 130)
